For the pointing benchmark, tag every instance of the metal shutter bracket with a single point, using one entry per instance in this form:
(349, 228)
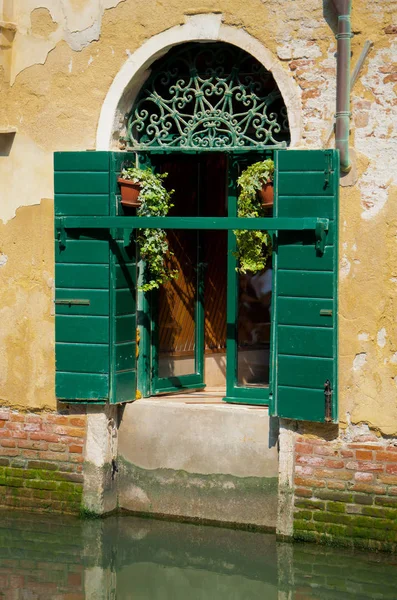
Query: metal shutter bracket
(320, 226)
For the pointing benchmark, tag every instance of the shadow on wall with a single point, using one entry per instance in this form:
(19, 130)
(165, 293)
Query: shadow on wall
(6, 142)
(330, 15)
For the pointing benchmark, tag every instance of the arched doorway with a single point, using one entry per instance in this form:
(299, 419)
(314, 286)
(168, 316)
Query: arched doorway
(204, 114)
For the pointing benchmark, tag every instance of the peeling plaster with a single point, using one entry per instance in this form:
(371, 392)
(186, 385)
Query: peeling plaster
(344, 269)
(363, 337)
(373, 136)
(79, 27)
(3, 260)
(381, 338)
(359, 361)
(28, 173)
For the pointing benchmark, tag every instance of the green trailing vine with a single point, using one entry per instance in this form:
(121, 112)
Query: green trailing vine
(253, 247)
(152, 243)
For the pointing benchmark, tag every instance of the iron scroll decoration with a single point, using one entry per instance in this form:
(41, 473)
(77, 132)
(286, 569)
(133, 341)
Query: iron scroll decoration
(208, 96)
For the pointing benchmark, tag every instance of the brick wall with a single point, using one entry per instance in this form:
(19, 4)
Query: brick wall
(41, 456)
(346, 491)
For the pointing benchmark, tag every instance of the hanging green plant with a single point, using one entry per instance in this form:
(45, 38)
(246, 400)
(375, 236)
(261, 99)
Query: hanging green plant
(254, 247)
(155, 201)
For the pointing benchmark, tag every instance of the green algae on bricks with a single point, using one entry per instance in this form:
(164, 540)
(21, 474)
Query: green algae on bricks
(338, 507)
(332, 529)
(86, 513)
(337, 518)
(303, 525)
(313, 504)
(383, 513)
(303, 514)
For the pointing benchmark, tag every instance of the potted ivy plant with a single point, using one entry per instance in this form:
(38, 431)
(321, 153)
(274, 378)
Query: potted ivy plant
(130, 187)
(154, 200)
(256, 196)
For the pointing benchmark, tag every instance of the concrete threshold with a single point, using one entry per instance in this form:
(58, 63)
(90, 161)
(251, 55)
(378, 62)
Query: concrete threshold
(193, 457)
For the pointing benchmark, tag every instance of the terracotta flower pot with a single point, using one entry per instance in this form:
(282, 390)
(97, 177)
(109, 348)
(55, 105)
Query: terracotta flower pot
(129, 193)
(266, 194)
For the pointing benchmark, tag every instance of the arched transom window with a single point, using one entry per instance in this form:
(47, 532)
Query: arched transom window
(208, 96)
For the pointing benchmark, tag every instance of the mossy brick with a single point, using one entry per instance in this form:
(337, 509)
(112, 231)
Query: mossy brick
(303, 525)
(313, 504)
(41, 485)
(38, 464)
(382, 513)
(355, 521)
(41, 493)
(18, 463)
(20, 492)
(338, 507)
(306, 536)
(335, 496)
(15, 482)
(63, 496)
(3, 481)
(30, 474)
(332, 529)
(364, 499)
(375, 534)
(303, 514)
(4, 462)
(386, 501)
(47, 475)
(371, 523)
(71, 477)
(67, 487)
(14, 472)
(353, 509)
(337, 518)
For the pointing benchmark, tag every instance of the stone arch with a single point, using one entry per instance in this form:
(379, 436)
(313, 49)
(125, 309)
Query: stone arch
(197, 28)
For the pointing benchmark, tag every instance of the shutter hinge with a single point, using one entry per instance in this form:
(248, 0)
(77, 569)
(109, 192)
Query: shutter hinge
(328, 401)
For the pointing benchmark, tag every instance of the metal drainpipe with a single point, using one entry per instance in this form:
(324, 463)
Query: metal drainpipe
(342, 116)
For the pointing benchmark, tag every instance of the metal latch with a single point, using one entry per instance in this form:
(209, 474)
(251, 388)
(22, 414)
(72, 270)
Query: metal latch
(328, 169)
(74, 302)
(321, 231)
(61, 235)
(328, 401)
(326, 312)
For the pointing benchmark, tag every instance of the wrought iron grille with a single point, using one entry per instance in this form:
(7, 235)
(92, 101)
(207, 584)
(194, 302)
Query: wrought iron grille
(208, 96)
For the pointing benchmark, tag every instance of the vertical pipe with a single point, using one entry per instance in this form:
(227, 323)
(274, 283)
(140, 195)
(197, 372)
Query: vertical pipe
(342, 116)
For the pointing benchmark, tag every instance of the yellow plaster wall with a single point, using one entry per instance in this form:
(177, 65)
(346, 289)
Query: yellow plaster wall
(65, 55)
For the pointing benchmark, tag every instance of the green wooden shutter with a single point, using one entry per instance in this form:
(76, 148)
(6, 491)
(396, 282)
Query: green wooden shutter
(305, 288)
(95, 333)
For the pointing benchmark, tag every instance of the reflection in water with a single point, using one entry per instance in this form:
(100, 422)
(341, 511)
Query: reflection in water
(57, 558)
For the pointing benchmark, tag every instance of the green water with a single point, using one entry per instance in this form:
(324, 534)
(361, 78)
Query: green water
(123, 558)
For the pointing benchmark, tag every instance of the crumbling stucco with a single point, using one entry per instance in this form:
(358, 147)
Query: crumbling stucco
(26, 294)
(61, 74)
(43, 24)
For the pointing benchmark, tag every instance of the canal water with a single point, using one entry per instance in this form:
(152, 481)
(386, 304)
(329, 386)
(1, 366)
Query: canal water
(46, 557)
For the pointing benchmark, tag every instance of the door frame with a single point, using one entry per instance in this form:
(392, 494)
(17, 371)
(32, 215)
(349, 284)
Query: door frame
(147, 358)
